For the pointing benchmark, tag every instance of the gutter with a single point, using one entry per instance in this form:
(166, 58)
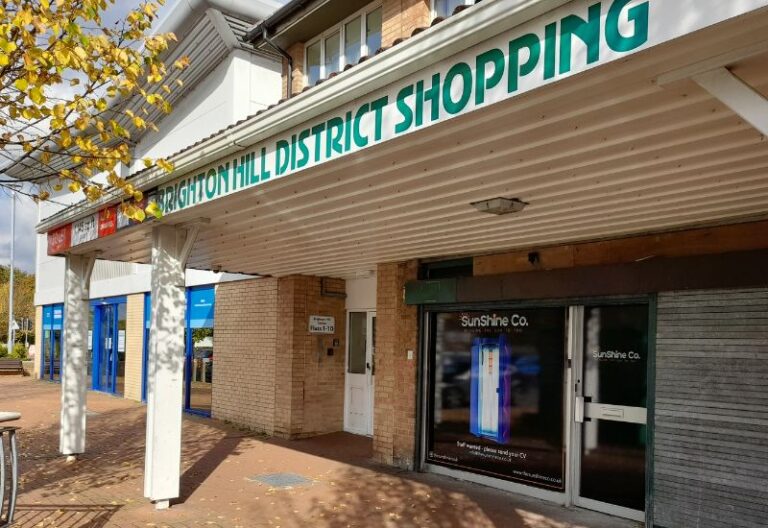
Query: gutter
(442, 41)
(275, 18)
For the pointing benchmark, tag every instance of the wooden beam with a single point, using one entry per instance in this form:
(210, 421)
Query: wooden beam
(723, 239)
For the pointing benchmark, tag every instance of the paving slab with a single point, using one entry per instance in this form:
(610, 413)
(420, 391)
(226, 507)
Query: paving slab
(233, 478)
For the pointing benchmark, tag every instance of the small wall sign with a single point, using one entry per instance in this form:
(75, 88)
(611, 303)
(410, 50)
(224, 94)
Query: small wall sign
(322, 324)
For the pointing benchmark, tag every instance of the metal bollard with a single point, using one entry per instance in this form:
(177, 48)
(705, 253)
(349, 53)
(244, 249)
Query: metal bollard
(13, 485)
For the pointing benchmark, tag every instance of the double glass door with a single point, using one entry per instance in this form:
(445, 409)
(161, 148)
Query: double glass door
(610, 408)
(51, 369)
(108, 362)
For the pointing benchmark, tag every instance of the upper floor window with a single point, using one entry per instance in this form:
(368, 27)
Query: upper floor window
(444, 8)
(343, 44)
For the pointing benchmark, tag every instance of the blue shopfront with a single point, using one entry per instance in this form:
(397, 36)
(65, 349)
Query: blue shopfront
(52, 342)
(198, 371)
(106, 366)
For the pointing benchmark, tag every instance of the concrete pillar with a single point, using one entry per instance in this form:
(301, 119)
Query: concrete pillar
(166, 366)
(74, 362)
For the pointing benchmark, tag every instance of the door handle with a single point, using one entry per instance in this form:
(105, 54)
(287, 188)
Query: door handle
(368, 366)
(578, 412)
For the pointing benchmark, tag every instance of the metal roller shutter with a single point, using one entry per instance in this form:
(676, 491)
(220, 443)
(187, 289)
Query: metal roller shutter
(711, 409)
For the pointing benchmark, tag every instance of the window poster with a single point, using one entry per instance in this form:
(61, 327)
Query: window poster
(496, 394)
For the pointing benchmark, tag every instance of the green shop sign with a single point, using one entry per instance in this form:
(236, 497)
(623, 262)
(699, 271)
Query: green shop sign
(569, 40)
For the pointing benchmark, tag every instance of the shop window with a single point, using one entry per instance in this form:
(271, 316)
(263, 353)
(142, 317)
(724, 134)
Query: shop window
(343, 44)
(496, 396)
(444, 8)
(198, 360)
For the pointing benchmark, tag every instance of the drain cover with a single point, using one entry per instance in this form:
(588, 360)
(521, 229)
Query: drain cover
(281, 480)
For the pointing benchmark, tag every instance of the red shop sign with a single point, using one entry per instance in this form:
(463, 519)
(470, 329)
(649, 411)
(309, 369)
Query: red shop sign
(60, 239)
(107, 221)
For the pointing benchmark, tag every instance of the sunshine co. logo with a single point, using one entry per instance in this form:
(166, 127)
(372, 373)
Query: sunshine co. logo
(493, 321)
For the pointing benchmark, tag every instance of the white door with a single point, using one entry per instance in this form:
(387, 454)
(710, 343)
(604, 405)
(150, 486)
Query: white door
(361, 336)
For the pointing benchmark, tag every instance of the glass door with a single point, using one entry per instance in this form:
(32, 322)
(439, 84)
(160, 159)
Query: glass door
(199, 336)
(106, 348)
(108, 364)
(610, 408)
(56, 355)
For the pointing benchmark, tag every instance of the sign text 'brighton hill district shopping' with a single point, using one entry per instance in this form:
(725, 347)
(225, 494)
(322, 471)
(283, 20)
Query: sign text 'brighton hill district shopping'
(574, 38)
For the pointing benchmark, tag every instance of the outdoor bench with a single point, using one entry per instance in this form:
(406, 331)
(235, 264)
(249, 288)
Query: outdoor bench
(11, 365)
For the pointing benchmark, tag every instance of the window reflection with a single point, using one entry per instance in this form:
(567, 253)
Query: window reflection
(373, 31)
(313, 63)
(352, 41)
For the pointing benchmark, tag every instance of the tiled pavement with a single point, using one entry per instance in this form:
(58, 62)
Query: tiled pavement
(105, 487)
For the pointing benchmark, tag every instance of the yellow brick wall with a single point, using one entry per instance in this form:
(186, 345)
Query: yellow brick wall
(394, 420)
(309, 389)
(38, 340)
(134, 346)
(401, 17)
(244, 348)
(296, 51)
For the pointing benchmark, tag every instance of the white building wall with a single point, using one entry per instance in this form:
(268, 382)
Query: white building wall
(237, 88)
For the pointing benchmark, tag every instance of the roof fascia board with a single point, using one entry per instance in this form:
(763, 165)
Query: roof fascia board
(488, 19)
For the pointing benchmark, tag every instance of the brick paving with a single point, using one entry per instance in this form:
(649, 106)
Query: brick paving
(105, 487)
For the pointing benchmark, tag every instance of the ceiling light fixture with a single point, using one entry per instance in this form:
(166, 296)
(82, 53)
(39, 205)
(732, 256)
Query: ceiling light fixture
(500, 205)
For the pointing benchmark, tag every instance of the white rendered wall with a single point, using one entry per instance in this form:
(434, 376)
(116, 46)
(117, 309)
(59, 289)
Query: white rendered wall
(361, 293)
(236, 89)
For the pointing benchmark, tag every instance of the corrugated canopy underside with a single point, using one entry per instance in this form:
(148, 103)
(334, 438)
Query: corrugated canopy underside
(603, 154)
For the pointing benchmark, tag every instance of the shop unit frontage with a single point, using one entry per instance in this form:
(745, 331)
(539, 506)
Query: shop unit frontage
(525, 247)
(627, 388)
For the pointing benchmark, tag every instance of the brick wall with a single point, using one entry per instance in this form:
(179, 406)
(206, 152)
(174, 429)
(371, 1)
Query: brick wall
(296, 51)
(394, 422)
(244, 344)
(134, 346)
(309, 383)
(270, 373)
(38, 340)
(401, 17)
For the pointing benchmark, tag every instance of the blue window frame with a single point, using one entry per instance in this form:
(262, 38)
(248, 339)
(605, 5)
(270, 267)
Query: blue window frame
(52, 344)
(198, 358)
(145, 360)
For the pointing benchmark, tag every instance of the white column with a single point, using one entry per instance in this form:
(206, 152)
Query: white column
(166, 366)
(74, 359)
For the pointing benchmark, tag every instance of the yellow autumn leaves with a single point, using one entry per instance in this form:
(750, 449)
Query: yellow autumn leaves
(75, 93)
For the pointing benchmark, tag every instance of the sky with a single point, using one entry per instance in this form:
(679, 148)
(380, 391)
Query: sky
(26, 209)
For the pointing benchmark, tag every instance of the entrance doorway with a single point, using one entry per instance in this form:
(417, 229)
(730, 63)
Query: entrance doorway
(360, 373)
(51, 349)
(108, 364)
(609, 433)
(546, 399)
(198, 365)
